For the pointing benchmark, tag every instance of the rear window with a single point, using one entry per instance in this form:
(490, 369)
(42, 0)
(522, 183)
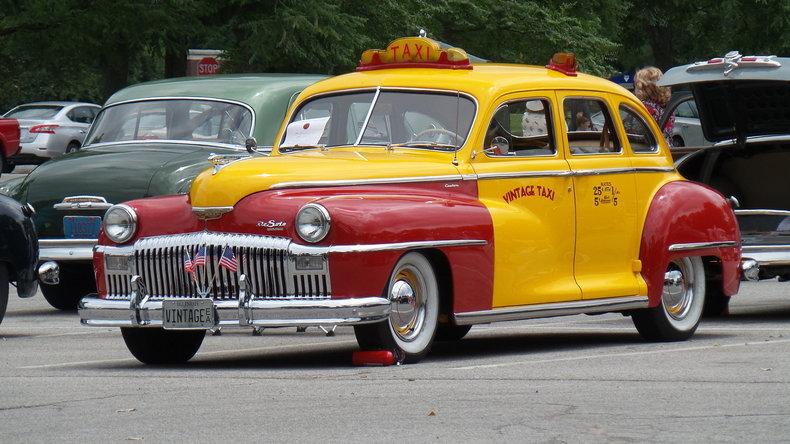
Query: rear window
(34, 112)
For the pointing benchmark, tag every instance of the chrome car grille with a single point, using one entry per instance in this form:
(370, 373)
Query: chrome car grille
(265, 261)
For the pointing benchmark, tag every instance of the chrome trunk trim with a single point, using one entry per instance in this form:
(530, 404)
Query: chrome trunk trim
(702, 245)
(82, 203)
(762, 212)
(550, 310)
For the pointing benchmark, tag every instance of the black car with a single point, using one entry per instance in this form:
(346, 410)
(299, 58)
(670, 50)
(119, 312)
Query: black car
(744, 108)
(18, 251)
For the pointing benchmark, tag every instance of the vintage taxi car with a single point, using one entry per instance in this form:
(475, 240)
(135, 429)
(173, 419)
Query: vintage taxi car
(416, 197)
(150, 139)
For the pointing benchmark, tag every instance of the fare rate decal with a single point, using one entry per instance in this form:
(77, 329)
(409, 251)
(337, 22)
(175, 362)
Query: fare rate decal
(605, 194)
(528, 191)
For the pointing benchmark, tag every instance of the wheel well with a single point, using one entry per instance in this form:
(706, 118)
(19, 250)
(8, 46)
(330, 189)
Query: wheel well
(713, 272)
(444, 276)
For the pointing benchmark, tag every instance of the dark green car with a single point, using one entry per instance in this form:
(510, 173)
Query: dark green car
(149, 139)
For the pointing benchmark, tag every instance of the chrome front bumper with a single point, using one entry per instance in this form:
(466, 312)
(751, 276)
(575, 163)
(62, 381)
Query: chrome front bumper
(66, 249)
(767, 255)
(97, 312)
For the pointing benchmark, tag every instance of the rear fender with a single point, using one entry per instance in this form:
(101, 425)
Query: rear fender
(684, 213)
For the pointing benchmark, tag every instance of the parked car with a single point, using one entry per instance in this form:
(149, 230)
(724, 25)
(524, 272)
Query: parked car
(687, 130)
(149, 139)
(18, 251)
(9, 143)
(50, 129)
(415, 198)
(744, 107)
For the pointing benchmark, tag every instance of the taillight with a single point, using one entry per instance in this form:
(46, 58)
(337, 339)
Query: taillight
(43, 129)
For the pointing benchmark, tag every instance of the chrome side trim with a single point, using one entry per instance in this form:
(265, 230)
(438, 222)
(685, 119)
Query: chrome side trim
(702, 245)
(208, 213)
(550, 310)
(96, 312)
(754, 139)
(66, 249)
(306, 249)
(601, 171)
(82, 203)
(352, 182)
(548, 173)
(762, 212)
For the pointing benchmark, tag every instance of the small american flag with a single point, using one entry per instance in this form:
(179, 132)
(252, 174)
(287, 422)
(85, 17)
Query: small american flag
(228, 260)
(200, 257)
(189, 266)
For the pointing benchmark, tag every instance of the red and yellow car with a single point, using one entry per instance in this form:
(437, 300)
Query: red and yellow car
(416, 197)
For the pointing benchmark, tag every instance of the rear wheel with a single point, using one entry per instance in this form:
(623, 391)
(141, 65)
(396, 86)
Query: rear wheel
(716, 302)
(682, 299)
(76, 281)
(3, 290)
(677, 141)
(157, 346)
(73, 146)
(414, 294)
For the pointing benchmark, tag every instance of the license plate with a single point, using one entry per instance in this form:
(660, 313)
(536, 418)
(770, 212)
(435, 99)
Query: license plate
(193, 314)
(81, 227)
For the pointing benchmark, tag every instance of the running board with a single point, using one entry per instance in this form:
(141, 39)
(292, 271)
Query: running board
(553, 309)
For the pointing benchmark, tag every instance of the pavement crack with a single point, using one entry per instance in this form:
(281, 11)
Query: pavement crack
(60, 403)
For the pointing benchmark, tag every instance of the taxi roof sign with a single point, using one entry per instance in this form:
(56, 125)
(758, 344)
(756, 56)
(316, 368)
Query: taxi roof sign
(564, 62)
(414, 52)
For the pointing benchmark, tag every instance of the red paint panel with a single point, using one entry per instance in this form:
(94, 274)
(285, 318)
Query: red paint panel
(361, 215)
(688, 212)
(98, 274)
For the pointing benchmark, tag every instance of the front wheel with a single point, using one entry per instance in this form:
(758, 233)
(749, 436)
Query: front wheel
(414, 296)
(3, 290)
(682, 300)
(156, 346)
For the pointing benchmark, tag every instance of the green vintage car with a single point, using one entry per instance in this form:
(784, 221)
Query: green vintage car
(149, 139)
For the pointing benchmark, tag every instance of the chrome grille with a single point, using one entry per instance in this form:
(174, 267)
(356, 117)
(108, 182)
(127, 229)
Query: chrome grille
(269, 267)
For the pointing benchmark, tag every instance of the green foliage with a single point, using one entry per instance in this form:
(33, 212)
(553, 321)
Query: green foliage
(86, 50)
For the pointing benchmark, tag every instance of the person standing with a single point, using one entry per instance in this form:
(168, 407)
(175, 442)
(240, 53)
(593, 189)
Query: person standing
(654, 97)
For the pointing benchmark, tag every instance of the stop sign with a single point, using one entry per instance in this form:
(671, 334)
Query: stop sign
(207, 66)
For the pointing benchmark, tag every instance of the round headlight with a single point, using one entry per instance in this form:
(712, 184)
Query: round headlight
(312, 222)
(120, 223)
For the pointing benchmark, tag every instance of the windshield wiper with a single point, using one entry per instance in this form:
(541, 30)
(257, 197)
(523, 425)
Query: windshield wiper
(432, 145)
(287, 149)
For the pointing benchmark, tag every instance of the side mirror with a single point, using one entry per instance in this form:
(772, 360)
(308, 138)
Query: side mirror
(251, 144)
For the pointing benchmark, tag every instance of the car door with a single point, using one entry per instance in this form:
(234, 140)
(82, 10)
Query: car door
(607, 240)
(525, 183)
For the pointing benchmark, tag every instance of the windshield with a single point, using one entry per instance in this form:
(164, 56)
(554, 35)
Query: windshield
(173, 120)
(34, 112)
(431, 120)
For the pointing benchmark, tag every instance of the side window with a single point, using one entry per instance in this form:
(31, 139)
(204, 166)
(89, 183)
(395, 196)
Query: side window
(81, 114)
(521, 128)
(685, 110)
(590, 127)
(639, 135)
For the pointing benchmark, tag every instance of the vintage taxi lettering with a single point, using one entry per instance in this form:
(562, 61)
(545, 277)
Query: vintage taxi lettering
(528, 190)
(605, 194)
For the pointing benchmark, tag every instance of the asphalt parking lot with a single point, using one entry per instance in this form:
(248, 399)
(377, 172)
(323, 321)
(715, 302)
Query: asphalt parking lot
(582, 378)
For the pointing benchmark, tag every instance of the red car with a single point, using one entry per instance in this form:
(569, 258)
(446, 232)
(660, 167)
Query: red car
(9, 143)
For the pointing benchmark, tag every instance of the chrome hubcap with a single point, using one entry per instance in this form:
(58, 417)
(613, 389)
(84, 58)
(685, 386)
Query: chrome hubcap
(408, 305)
(678, 293)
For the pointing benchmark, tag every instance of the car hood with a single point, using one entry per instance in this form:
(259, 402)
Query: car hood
(751, 100)
(337, 166)
(115, 172)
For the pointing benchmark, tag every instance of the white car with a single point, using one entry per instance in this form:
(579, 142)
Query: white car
(49, 129)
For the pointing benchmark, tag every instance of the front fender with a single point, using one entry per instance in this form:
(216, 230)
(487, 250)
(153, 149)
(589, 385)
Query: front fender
(18, 246)
(684, 213)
